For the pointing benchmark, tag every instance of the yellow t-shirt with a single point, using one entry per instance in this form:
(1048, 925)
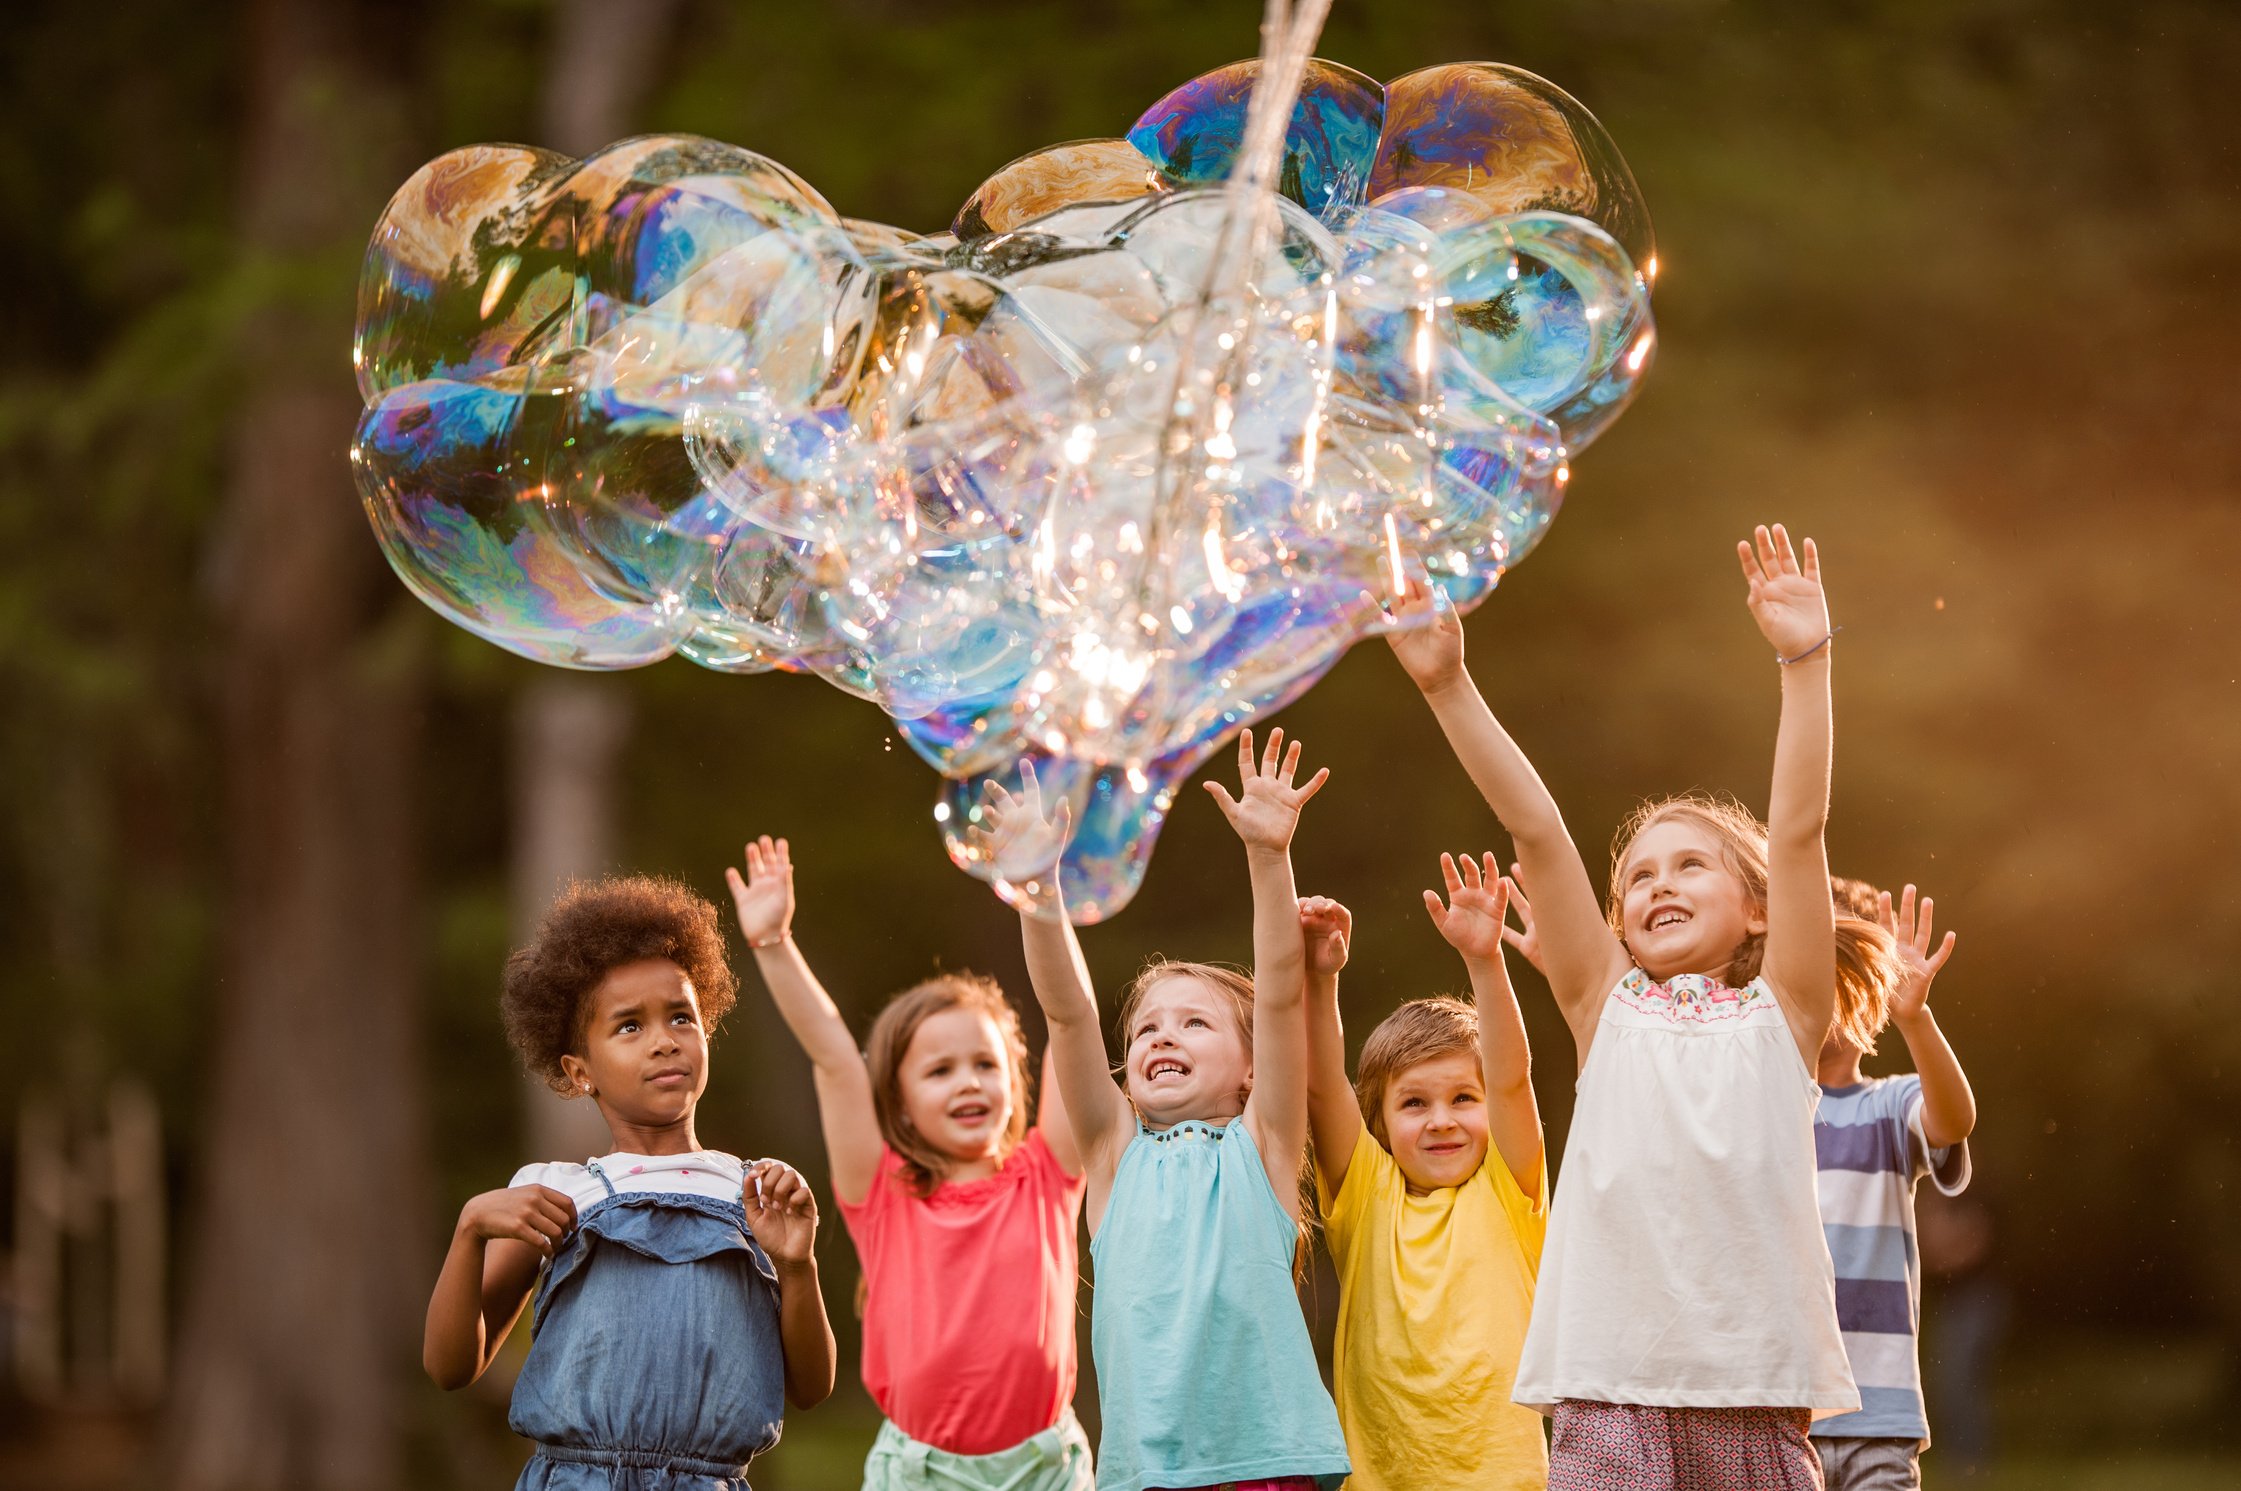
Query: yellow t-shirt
(1433, 1297)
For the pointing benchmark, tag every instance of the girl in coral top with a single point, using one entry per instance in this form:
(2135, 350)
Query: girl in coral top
(963, 1216)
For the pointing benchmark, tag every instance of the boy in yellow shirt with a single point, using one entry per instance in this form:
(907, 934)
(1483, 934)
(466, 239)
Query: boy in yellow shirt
(1435, 1199)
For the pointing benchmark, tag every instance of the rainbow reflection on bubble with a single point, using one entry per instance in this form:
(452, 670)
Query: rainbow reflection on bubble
(666, 400)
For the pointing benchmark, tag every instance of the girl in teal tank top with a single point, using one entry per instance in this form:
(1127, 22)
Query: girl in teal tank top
(1205, 1372)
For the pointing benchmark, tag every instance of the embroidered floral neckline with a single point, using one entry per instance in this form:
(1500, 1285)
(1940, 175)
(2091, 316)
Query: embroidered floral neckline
(1690, 998)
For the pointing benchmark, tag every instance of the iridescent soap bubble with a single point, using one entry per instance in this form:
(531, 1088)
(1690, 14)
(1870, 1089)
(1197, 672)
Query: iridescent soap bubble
(1125, 460)
(1516, 142)
(1194, 135)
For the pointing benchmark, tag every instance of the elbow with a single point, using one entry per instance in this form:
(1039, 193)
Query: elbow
(450, 1376)
(808, 1390)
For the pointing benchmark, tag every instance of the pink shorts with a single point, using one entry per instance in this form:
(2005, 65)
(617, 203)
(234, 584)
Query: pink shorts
(1637, 1447)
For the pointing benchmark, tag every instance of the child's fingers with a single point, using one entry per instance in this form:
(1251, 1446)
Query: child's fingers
(1470, 872)
(1925, 912)
(1905, 927)
(1812, 562)
(1314, 785)
(1784, 555)
(1223, 800)
(1769, 562)
(1945, 950)
(1245, 752)
(1272, 754)
(1523, 907)
(1750, 560)
(1501, 898)
(1450, 874)
(1437, 907)
(1291, 764)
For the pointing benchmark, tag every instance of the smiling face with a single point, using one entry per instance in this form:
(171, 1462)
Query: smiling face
(1683, 908)
(1435, 1120)
(644, 1052)
(1189, 1056)
(955, 1081)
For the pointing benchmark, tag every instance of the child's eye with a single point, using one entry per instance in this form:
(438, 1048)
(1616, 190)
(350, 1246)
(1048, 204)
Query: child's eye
(626, 1027)
(1195, 1020)
(1412, 1102)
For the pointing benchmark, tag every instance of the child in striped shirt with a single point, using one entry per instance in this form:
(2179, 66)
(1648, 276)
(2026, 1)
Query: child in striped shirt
(1875, 1138)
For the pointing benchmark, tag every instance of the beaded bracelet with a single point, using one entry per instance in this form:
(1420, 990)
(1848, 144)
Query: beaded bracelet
(1816, 647)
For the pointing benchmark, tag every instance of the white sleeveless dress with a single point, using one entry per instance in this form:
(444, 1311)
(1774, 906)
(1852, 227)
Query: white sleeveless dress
(1685, 1264)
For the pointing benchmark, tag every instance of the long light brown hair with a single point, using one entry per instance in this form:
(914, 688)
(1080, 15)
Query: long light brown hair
(1235, 986)
(1866, 959)
(891, 1034)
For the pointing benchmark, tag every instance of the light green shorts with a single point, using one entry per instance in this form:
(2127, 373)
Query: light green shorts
(1055, 1460)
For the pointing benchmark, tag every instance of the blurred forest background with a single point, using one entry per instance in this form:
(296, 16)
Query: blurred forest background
(1948, 284)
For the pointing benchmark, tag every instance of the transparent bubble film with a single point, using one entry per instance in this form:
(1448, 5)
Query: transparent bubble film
(1122, 461)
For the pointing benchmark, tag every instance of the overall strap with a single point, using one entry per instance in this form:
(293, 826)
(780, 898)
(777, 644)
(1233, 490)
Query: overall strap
(593, 1167)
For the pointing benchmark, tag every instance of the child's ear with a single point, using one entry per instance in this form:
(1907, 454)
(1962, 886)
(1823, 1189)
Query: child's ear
(578, 1074)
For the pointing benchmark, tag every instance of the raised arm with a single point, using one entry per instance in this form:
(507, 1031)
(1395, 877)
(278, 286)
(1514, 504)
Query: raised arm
(1264, 813)
(765, 900)
(1024, 842)
(1793, 615)
(1471, 921)
(1334, 1119)
(1948, 1104)
(1583, 958)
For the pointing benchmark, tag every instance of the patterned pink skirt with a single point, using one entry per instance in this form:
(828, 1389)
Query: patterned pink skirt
(1637, 1447)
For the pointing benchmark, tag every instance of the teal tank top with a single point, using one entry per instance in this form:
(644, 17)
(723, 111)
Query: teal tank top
(1205, 1373)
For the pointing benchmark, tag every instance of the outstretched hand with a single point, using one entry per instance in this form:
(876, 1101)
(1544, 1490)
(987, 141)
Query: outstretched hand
(1428, 637)
(1266, 809)
(765, 897)
(1326, 930)
(1016, 833)
(1477, 900)
(1786, 598)
(1910, 927)
(1525, 936)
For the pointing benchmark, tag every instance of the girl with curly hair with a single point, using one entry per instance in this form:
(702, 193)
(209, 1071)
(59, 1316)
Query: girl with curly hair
(677, 1302)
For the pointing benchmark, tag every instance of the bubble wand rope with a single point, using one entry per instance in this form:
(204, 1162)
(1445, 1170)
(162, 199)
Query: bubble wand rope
(1193, 427)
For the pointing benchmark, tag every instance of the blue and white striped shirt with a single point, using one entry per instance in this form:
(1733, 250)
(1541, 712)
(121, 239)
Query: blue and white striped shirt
(1868, 1143)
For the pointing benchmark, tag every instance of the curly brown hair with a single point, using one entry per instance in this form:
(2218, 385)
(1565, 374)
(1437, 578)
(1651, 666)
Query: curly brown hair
(593, 927)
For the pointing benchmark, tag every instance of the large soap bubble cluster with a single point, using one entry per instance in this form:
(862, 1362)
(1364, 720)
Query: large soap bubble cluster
(1127, 457)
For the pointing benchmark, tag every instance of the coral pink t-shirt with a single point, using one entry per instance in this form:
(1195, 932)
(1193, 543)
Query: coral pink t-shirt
(970, 1299)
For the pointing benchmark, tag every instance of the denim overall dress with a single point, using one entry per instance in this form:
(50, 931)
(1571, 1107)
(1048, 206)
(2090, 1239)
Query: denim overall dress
(655, 1361)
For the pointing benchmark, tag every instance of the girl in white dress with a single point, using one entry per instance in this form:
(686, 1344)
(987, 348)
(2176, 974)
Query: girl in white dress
(1684, 1331)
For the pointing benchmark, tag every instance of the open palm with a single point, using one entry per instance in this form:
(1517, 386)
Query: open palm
(1909, 926)
(1016, 834)
(1471, 917)
(1786, 599)
(1266, 808)
(764, 898)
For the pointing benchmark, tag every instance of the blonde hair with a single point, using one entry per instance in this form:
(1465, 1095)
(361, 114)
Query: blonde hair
(891, 1035)
(1863, 986)
(1866, 956)
(1419, 1031)
(1235, 986)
